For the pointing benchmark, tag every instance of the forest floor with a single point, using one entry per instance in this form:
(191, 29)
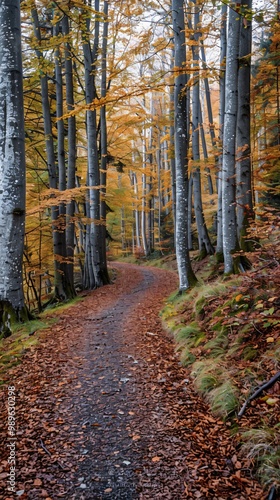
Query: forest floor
(105, 410)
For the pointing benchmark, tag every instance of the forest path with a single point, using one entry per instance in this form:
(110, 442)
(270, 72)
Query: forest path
(105, 411)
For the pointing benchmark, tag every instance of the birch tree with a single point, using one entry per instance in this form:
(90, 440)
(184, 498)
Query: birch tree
(12, 168)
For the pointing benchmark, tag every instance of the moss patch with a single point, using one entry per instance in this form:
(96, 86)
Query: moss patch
(23, 337)
(26, 335)
(228, 333)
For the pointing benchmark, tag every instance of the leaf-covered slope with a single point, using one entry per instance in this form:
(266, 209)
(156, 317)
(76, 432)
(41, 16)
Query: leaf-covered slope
(228, 333)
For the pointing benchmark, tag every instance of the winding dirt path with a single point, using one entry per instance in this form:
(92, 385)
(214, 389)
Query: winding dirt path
(105, 411)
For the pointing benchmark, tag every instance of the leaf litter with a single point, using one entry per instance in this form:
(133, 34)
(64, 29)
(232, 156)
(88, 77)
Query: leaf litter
(84, 434)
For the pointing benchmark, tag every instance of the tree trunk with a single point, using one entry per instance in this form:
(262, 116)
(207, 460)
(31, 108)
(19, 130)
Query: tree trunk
(71, 165)
(68, 284)
(12, 167)
(190, 213)
(209, 111)
(229, 224)
(144, 197)
(204, 244)
(62, 288)
(205, 151)
(244, 199)
(150, 190)
(181, 134)
(134, 183)
(223, 50)
(103, 148)
(172, 155)
(93, 254)
(159, 188)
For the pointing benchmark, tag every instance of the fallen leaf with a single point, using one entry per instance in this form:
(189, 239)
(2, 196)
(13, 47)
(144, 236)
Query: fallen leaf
(271, 401)
(156, 459)
(37, 482)
(136, 437)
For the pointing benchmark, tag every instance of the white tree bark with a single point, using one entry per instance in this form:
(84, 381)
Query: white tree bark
(12, 164)
(223, 51)
(172, 155)
(144, 195)
(181, 147)
(135, 205)
(229, 223)
(243, 133)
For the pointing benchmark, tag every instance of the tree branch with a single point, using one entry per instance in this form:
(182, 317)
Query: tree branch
(259, 391)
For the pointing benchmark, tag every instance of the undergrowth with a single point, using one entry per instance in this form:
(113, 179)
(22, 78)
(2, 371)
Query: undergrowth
(23, 337)
(228, 333)
(26, 335)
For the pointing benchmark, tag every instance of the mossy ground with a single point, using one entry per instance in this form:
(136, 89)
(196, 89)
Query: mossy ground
(12, 348)
(228, 332)
(25, 335)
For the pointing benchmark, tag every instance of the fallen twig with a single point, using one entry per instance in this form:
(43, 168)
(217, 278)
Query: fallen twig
(272, 494)
(44, 448)
(259, 391)
(65, 469)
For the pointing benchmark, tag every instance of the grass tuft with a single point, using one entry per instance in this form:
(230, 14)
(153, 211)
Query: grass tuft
(262, 445)
(207, 375)
(187, 357)
(223, 400)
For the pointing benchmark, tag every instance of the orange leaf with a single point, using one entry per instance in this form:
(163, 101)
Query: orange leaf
(135, 437)
(156, 459)
(37, 482)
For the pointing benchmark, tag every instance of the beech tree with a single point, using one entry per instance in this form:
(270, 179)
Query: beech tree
(229, 223)
(56, 169)
(96, 273)
(204, 243)
(104, 141)
(102, 108)
(72, 149)
(12, 168)
(244, 199)
(223, 50)
(181, 138)
(236, 167)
